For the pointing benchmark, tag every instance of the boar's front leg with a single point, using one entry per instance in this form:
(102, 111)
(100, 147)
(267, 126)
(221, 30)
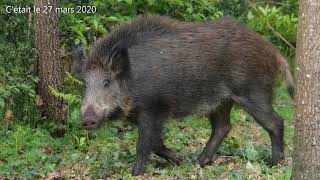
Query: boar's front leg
(147, 126)
(150, 140)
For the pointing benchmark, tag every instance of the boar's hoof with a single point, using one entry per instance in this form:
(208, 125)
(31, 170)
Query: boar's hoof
(170, 156)
(203, 160)
(277, 158)
(271, 163)
(137, 170)
(177, 161)
(275, 163)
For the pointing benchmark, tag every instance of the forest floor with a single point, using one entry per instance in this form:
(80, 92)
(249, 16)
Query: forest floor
(27, 152)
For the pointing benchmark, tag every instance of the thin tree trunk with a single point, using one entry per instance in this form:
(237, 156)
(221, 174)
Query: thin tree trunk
(49, 65)
(306, 157)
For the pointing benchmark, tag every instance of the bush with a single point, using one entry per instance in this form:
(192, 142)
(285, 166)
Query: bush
(276, 25)
(86, 28)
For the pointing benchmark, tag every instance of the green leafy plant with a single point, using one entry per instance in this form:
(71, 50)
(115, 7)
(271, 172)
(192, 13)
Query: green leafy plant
(19, 136)
(271, 22)
(81, 142)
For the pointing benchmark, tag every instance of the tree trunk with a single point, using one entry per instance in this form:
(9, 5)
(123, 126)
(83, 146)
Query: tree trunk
(306, 157)
(49, 64)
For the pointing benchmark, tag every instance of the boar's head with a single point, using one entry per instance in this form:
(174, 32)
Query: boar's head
(104, 79)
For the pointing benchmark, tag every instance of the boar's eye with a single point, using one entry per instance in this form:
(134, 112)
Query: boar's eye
(106, 82)
(84, 84)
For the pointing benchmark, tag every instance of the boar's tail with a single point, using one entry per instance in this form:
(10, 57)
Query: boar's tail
(286, 74)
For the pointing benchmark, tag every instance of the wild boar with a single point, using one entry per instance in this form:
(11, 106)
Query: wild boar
(155, 67)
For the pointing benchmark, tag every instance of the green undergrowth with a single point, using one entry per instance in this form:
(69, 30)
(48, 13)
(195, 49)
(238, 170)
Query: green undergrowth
(28, 152)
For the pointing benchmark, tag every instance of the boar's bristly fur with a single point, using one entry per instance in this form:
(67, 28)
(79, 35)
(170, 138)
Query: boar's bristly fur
(127, 35)
(155, 68)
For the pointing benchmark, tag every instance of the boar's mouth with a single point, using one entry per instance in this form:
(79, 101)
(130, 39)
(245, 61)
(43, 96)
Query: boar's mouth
(117, 113)
(91, 121)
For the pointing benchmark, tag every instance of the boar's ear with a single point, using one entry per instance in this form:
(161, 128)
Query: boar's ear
(119, 61)
(78, 57)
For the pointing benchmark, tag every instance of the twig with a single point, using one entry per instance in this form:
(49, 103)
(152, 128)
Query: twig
(272, 2)
(231, 157)
(280, 36)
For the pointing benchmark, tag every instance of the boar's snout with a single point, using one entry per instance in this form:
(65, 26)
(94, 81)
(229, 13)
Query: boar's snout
(90, 123)
(90, 120)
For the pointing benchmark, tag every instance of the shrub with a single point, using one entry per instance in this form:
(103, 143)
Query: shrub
(85, 28)
(277, 26)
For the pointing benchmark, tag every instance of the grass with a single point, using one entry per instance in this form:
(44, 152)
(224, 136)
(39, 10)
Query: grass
(30, 153)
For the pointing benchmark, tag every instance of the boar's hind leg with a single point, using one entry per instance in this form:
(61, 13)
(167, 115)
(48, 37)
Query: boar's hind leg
(260, 107)
(220, 122)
